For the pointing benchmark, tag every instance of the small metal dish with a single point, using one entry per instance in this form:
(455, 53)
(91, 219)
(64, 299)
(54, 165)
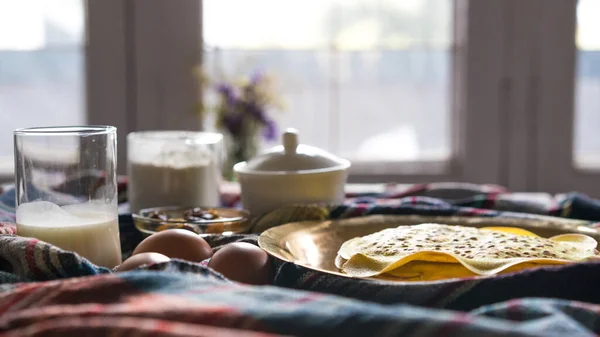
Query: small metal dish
(229, 221)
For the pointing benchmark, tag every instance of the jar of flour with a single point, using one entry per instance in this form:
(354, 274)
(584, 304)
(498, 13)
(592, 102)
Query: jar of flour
(173, 168)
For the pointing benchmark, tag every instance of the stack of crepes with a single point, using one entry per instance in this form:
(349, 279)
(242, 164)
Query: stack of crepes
(429, 252)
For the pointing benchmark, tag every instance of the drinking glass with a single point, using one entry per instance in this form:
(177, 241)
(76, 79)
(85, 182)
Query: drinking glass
(66, 189)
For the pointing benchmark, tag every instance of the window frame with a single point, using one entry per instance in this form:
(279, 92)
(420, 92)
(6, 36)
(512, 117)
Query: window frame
(533, 64)
(7, 173)
(140, 67)
(141, 53)
(513, 87)
(477, 109)
(476, 146)
(109, 88)
(556, 109)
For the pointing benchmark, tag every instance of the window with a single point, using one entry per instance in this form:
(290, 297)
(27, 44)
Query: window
(586, 148)
(42, 68)
(404, 106)
(368, 80)
(95, 62)
(502, 92)
(564, 106)
(374, 81)
(494, 101)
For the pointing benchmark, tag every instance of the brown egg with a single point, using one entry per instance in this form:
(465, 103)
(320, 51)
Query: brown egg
(141, 259)
(243, 262)
(176, 244)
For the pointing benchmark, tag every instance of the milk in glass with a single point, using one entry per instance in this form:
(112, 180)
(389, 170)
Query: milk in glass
(90, 229)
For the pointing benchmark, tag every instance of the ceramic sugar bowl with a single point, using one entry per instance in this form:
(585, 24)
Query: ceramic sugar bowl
(289, 174)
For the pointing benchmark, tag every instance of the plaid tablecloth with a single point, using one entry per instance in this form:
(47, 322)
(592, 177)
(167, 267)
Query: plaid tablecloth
(46, 290)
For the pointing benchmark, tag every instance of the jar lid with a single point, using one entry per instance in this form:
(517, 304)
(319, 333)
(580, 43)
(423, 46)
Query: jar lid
(293, 157)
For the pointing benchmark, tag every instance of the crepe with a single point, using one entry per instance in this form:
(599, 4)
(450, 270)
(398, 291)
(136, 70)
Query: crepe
(436, 251)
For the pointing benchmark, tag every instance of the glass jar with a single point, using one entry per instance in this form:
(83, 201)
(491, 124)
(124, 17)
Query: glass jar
(174, 168)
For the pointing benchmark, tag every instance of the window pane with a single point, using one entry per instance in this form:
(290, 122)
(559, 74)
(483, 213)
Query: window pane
(368, 80)
(41, 67)
(587, 117)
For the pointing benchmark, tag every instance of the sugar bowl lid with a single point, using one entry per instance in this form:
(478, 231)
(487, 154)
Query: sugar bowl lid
(292, 157)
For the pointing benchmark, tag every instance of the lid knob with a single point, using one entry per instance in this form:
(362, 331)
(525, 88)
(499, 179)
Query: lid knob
(290, 140)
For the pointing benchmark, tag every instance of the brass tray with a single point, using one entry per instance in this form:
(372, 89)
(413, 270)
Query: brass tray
(314, 244)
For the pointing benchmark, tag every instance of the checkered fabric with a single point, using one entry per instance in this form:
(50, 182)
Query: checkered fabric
(47, 291)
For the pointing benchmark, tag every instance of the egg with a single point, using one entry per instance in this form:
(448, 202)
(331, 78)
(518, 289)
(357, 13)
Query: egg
(243, 262)
(141, 259)
(176, 244)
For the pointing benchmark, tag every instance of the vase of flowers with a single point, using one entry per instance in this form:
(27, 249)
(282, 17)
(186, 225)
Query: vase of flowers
(243, 115)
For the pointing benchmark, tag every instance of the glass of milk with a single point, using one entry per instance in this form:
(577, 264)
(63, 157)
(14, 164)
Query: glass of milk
(66, 189)
(174, 168)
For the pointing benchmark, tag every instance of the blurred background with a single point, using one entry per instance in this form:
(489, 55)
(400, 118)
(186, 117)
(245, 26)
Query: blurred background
(502, 92)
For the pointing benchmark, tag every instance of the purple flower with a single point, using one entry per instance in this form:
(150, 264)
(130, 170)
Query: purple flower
(256, 77)
(228, 92)
(233, 123)
(255, 111)
(225, 89)
(270, 130)
(242, 111)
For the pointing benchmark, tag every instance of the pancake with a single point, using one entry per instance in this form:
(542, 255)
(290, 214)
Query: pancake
(437, 251)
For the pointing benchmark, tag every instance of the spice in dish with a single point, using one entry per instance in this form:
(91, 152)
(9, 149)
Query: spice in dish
(196, 214)
(200, 214)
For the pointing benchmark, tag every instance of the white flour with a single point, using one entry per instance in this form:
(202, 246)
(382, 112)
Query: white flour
(187, 176)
